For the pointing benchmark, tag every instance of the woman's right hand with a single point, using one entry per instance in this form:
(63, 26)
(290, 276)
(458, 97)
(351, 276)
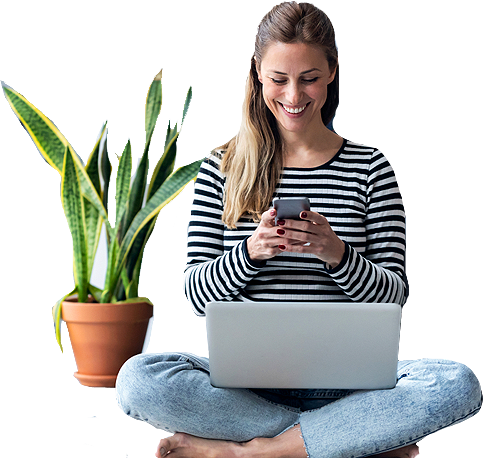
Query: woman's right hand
(264, 243)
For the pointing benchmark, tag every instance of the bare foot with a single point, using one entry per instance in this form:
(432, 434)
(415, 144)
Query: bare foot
(409, 451)
(181, 445)
(184, 445)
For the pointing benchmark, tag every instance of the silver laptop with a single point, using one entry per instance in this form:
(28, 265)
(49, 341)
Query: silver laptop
(303, 344)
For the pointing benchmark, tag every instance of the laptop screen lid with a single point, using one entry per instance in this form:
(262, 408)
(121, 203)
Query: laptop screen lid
(303, 344)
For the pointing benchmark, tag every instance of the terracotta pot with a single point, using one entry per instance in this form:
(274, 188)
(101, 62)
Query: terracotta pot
(104, 337)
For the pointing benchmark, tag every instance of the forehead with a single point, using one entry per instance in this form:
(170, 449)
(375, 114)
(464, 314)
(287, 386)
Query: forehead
(293, 57)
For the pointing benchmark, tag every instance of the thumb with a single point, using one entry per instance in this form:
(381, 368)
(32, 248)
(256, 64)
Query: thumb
(268, 217)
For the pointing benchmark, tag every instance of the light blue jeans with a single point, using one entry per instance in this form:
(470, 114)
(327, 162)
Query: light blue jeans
(172, 391)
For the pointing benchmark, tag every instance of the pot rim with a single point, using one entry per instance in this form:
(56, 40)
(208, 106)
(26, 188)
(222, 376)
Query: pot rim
(95, 312)
(73, 300)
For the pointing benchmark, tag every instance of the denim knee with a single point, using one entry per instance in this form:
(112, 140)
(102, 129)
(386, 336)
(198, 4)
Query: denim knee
(128, 383)
(463, 380)
(452, 389)
(467, 387)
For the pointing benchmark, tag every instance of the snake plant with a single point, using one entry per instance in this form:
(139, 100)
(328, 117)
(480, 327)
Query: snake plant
(84, 196)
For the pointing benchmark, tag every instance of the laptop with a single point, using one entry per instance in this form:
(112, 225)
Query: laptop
(303, 345)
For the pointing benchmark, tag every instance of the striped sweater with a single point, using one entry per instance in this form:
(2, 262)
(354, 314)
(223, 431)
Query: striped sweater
(357, 193)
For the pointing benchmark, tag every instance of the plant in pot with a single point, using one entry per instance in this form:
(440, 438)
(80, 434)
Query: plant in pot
(107, 326)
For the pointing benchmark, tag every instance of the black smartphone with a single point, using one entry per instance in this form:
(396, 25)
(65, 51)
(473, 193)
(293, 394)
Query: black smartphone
(290, 207)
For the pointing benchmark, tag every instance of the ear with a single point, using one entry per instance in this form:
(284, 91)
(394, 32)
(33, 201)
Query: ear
(333, 74)
(257, 69)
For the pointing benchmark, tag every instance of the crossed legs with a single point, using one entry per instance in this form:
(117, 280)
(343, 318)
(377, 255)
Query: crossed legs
(173, 392)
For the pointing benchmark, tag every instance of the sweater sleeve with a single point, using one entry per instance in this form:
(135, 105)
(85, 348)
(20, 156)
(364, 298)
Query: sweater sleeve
(213, 273)
(377, 274)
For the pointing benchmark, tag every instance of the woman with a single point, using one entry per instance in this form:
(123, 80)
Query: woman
(350, 246)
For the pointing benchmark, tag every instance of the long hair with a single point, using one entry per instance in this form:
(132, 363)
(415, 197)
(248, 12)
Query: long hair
(253, 159)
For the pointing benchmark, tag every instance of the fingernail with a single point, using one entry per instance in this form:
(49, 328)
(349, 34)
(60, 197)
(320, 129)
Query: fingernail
(304, 215)
(162, 451)
(281, 231)
(282, 247)
(273, 212)
(281, 222)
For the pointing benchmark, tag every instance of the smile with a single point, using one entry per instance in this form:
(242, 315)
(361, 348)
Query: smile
(294, 110)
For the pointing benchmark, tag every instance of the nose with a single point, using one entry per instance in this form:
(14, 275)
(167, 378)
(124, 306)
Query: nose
(294, 93)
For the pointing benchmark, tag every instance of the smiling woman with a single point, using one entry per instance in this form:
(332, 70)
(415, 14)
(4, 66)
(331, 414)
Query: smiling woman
(280, 75)
(296, 94)
(350, 247)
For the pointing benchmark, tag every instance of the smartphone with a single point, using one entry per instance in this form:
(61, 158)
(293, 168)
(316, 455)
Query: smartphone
(290, 207)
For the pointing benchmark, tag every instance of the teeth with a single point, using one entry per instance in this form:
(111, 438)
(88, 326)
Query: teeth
(294, 110)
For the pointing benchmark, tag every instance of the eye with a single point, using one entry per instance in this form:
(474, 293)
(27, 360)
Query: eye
(278, 81)
(309, 81)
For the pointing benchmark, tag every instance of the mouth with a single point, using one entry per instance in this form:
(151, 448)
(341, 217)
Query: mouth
(293, 110)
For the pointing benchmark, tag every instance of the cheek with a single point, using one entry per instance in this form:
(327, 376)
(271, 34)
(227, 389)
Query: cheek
(269, 96)
(319, 96)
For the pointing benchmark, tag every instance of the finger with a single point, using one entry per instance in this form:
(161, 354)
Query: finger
(298, 243)
(268, 217)
(290, 242)
(266, 246)
(294, 237)
(299, 248)
(277, 243)
(165, 446)
(295, 226)
(314, 217)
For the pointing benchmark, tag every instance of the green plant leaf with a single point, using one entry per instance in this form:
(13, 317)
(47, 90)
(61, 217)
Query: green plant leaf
(137, 248)
(153, 106)
(92, 166)
(93, 232)
(138, 189)
(136, 193)
(57, 316)
(135, 256)
(173, 128)
(132, 289)
(92, 217)
(166, 164)
(90, 193)
(109, 280)
(119, 293)
(43, 132)
(96, 293)
(73, 205)
(169, 133)
(124, 278)
(51, 144)
(188, 99)
(106, 169)
(123, 179)
(120, 228)
(135, 299)
(165, 194)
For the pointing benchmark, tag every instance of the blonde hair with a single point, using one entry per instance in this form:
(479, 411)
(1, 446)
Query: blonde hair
(253, 159)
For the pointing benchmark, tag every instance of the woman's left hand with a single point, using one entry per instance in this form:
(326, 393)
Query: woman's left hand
(312, 235)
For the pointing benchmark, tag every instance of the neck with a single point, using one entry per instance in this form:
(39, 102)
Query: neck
(306, 143)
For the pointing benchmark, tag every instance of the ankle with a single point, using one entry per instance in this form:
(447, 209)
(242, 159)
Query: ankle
(282, 446)
(258, 447)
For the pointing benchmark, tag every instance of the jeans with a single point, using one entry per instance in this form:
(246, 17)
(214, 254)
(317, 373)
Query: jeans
(172, 391)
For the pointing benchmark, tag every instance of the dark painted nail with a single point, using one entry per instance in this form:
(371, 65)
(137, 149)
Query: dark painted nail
(281, 231)
(282, 247)
(281, 222)
(304, 215)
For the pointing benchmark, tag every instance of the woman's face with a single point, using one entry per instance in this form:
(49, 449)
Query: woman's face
(295, 80)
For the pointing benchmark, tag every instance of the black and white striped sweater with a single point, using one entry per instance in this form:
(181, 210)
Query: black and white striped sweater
(358, 194)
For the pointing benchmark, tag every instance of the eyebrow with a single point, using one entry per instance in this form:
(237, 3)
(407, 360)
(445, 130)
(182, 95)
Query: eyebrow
(302, 73)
